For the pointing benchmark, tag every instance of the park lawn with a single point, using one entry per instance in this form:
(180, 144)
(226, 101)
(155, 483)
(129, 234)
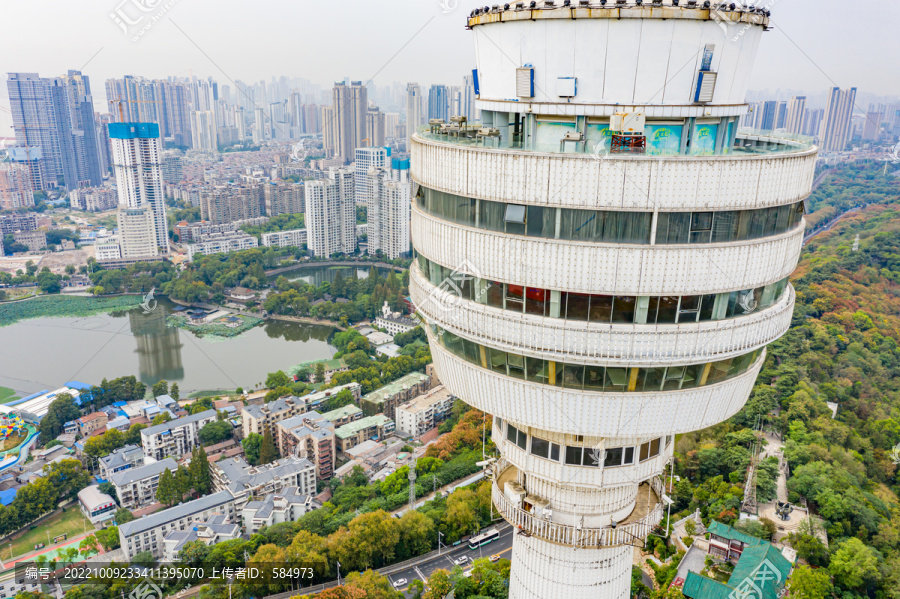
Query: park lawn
(70, 521)
(7, 395)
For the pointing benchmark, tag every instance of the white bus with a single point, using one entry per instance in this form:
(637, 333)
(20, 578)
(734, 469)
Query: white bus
(483, 539)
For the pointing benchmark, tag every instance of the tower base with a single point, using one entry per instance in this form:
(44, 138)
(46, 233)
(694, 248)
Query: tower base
(542, 570)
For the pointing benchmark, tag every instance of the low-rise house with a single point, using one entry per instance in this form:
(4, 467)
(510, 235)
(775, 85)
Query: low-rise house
(96, 506)
(423, 413)
(394, 322)
(287, 506)
(149, 532)
(370, 427)
(244, 481)
(386, 399)
(123, 458)
(95, 421)
(216, 529)
(136, 487)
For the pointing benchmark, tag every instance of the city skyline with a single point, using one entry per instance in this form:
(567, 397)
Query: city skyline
(420, 43)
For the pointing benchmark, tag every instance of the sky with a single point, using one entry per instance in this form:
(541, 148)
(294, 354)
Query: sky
(813, 46)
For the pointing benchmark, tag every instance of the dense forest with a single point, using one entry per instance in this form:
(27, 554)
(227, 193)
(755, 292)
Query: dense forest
(842, 349)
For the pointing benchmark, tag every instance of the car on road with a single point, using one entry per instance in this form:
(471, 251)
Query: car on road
(495, 557)
(462, 560)
(399, 583)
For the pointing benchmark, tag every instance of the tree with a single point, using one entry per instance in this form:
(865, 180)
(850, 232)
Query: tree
(199, 469)
(67, 477)
(123, 515)
(251, 444)
(63, 409)
(161, 418)
(167, 492)
(35, 499)
(853, 564)
(89, 546)
(438, 585)
(690, 527)
(277, 379)
(182, 479)
(267, 451)
(160, 388)
(133, 436)
(108, 537)
(416, 534)
(174, 392)
(320, 372)
(215, 432)
(373, 584)
(810, 583)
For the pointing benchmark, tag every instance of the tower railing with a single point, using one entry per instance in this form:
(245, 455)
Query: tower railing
(567, 534)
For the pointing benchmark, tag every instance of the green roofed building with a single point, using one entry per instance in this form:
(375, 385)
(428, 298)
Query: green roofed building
(344, 415)
(386, 399)
(370, 427)
(761, 569)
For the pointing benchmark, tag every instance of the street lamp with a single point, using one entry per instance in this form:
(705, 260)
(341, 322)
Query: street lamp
(440, 534)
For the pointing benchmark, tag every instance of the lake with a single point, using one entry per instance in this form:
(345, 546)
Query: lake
(45, 353)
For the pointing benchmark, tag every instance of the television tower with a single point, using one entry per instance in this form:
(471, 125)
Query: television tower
(602, 260)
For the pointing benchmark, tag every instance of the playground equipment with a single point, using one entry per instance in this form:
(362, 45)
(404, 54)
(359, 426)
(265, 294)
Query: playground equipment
(11, 425)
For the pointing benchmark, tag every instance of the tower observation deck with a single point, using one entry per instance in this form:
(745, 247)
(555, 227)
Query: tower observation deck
(602, 260)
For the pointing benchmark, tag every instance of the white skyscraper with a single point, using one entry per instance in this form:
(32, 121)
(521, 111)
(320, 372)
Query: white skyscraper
(365, 160)
(388, 209)
(416, 114)
(795, 114)
(331, 214)
(203, 131)
(838, 118)
(603, 299)
(137, 157)
(136, 232)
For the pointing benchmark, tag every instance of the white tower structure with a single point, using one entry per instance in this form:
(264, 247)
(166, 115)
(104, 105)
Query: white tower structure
(602, 261)
(137, 157)
(331, 214)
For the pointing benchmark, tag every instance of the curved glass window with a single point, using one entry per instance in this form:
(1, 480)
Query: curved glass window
(619, 309)
(610, 226)
(609, 379)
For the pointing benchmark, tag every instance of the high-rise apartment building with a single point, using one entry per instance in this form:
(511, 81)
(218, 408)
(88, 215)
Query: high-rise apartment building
(137, 232)
(544, 282)
(837, 120)
(375, 128)
(388, 209)
(812, 122)
(416, 113)
(232, 202)
(56, 115)
(365, 160)
(330, 214)
(874, 126)
(468, 109)
(137, 156)
(795, 114)
(204, 131)
(439, 103)
(347, 126)
(15, 186)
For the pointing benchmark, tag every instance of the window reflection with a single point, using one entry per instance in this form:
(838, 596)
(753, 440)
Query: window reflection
(610, 226)
(614, 379)
(603, 308)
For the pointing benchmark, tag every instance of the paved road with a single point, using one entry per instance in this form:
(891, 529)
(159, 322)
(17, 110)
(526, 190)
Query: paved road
(447, 559)
(423, 568)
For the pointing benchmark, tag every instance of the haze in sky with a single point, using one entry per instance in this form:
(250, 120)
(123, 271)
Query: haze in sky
(814, 45)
